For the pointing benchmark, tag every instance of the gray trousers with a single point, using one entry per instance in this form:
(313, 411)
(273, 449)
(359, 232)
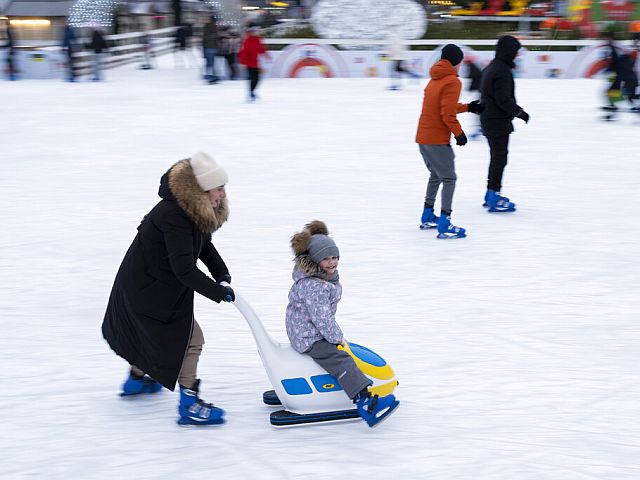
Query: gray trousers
(189, 371)
(339, 364)
(442, 169)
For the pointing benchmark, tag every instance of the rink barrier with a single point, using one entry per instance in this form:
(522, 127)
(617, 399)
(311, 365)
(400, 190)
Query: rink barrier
(302, 57)
(126, 48)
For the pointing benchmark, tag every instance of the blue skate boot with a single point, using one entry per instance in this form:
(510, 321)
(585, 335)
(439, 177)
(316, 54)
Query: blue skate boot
(486, 198)
(135, 385)
(193, 411)
(428, 220)
(446, 230)
(497, 203)
(476, 134)
(374, 409)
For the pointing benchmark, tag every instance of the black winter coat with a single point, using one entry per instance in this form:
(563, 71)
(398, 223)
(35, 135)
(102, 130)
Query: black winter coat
(149, 317)
(497, 90)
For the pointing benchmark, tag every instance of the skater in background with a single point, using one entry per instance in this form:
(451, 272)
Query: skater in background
(149, 319)
(436, 124)
(98, 44)
(229, 46)
(397, 54)
(147, 50)
(250, 51)
(497, 94)
(182, 56)
(625, 80)
(311, 323)
(68, 47)
(474, 74)
(210, 49)
(10, 45)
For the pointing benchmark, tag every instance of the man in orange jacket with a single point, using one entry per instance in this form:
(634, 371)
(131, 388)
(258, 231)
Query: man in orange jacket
(437, 122)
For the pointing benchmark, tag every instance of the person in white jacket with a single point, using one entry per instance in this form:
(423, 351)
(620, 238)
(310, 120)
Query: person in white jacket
(397, 55)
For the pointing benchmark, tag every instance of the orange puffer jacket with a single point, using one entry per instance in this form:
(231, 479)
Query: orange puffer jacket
(440, 106)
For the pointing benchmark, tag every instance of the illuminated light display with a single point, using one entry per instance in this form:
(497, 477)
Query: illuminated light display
(93, 13)
(100, 13)
(368, 20)
(30, 22)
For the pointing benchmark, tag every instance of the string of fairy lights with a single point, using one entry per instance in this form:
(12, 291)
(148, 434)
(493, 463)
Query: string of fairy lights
(101, 13)
(93, 13)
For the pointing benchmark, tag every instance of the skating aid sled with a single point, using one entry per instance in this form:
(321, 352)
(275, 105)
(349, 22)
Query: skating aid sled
(307, 392)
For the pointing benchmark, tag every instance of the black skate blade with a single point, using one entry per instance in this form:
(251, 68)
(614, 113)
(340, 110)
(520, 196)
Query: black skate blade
(270, 398)
(283, 418)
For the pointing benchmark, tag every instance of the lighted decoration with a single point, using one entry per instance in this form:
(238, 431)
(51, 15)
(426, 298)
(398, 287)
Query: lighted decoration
(100, 13)
(227, 12)
(93, 13)
(364, 19)
(29, 22)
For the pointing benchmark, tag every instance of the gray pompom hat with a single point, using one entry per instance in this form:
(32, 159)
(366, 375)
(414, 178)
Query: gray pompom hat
(321, 247)
(314, 241)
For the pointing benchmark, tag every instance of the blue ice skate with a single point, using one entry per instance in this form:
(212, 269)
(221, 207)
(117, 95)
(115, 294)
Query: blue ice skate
(446, 230)
(136, 386)
(193, 411)
(476, 134)
(429, 219)
(486, 198)
(497, 203)
(375, 409)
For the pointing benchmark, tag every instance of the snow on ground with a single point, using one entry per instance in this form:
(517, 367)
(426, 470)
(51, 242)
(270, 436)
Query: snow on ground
(516, 348)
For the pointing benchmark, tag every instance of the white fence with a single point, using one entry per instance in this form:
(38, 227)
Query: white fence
(337, 57)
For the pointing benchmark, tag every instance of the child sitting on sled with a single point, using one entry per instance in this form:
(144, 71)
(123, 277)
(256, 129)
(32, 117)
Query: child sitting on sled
(311, 323)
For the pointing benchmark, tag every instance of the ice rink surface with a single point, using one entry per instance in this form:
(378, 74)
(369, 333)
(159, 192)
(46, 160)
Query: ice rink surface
(517, 348)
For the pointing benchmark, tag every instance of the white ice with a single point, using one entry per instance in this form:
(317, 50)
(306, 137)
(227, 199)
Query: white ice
(516, 348)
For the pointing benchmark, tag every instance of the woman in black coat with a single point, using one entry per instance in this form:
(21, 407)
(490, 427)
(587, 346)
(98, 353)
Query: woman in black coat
(149, 319)
(497, 94)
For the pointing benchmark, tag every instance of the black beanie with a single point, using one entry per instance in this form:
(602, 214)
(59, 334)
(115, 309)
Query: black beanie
(452, 53)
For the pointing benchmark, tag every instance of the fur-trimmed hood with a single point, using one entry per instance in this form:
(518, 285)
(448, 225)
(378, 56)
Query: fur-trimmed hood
(308, 267)
(180, 184)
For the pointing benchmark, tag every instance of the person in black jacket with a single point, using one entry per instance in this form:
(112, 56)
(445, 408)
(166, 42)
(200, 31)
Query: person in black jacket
(149, 319)
(12, 71)
(68, 47)
(98, 44)
(497, 94)
(625, 80)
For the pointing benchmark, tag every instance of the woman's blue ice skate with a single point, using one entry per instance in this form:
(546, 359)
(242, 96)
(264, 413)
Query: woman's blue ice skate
(193, 411)
(136, 386)
(375, 409)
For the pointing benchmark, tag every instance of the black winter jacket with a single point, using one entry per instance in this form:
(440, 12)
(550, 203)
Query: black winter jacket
(149, 317)
(497, 90)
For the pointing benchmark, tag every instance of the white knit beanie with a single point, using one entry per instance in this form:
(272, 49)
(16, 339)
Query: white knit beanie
(208, 173)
